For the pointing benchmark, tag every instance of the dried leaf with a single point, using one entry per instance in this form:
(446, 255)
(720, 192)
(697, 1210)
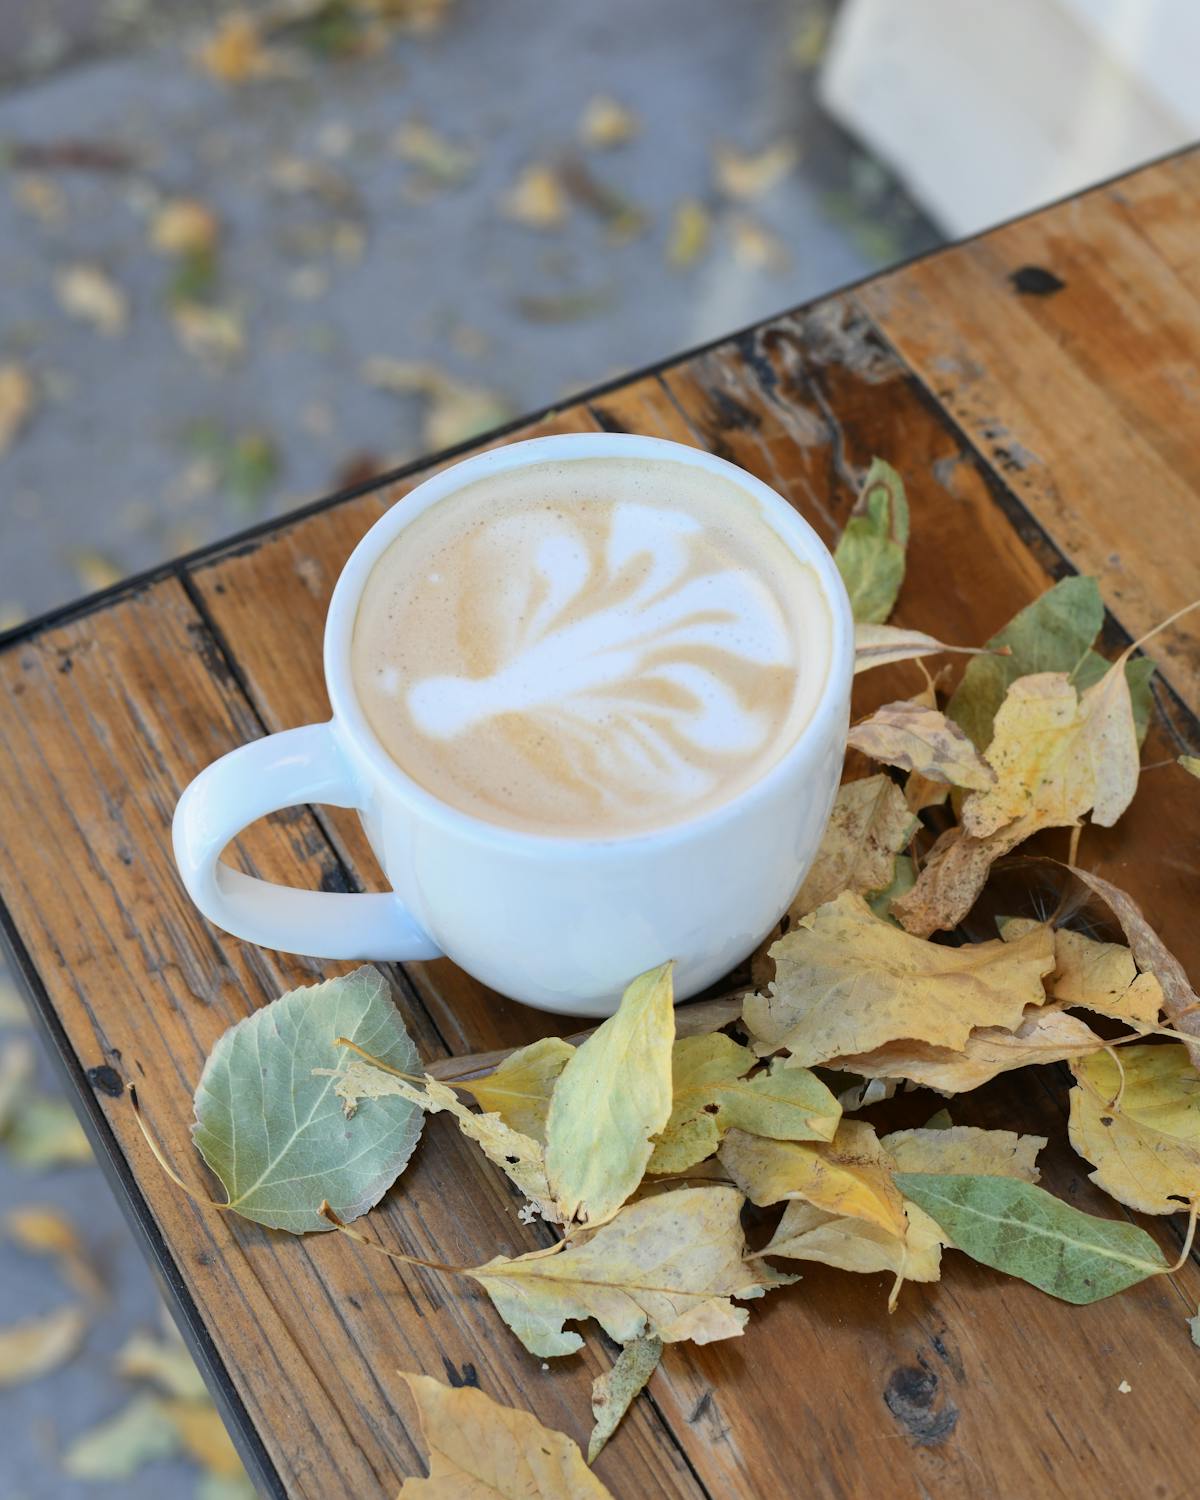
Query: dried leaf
(850, 1176)
(748, 175)
(614, 1391)
(454, 412)
(1021, 1230)
(612, 1097)
(479, 1448)
(1138, 1123)
(38, 1345)
(519, 1089)
(666, 1266)
(1056, 755)
(1053, 634)
(605, 124)
(960, 1150)
(1045, 1035)
(690, 228)
(711, 1094)
(185, 227)
(272, 1129)
(869, 824)
(119, 1447)
(210, 333)
(203, 1437)
(442, 163)
(519, 1156)
(1098, 976)
(756, 247)
(1180, 1001)
(871, 552)
(847, 982)
(1191, 764)
(883, 645)
(91, 295)
(1194, 1327)
(620, 214)
(45, 1231)
(236, 52)
(165, 1363)
(920, 739)
(17, 402)
(17, 1070)
(808, 1233)
(45, 1132)
(538, 199)
(954, 873)
(903, 878)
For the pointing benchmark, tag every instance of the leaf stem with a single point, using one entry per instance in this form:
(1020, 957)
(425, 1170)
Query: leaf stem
(409, 1260)
(1193, 1211)
(159, 1156)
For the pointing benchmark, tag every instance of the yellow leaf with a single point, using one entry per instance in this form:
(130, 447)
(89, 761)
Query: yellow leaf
(1140, 1130)
(203, 1435)
(746, 175)
(454, 411)
(236, 52)
(963, 1150)
(847, 981)
(184, 226)
(478, 1448)
(1045, 1035)
(442, 162)
(665, 1266)
(850, 1175)
(1191, 764)
(606, 123)
(537, 199)
(955, 871)
(1056, 755)
(614, 1391)
(710, 1095)
(17, 403)
(209, 333)
(165, 1363)
(808, 1233)
(90, 294)
(613, 1095)
(689, 233)
(918, 738)
(38, 1345)
(46, 1231)
(869, 825)
(756, 247)
(517, 1155)
(1098, 976)
(519, 1089)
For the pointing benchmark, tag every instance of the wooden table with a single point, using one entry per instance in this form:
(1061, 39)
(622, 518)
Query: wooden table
(1040, 389)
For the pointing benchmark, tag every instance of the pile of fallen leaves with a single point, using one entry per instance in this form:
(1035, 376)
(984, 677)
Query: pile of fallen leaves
(643, 1142)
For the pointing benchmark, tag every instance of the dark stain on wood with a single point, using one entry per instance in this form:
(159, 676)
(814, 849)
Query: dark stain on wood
(1036, 281)
(467, 1376)
(911, 1395)
(106, 1080)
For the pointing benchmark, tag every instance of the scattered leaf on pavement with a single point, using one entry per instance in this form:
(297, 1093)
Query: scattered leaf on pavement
(91, 295)
(690, 229)
(537, 199)
(745, 175)
(46, 1231)
(454, 412)
(478, 1447)
(164, 1363)
(119, 1447)
(185, 226)
(38, 1345)
(756, 247)
(17, 403)
(442, 162)
(606, 123)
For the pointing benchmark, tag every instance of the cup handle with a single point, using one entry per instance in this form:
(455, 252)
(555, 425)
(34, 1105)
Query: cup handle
(283, 770)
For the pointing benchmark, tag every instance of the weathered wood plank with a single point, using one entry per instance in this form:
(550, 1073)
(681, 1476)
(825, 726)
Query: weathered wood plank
(1084, 397)
(105, 721)
(804, 404)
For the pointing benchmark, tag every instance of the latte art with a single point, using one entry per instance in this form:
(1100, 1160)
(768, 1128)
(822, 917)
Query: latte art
(595, 646)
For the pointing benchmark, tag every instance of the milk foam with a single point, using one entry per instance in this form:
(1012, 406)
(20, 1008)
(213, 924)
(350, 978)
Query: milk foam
(602, 645)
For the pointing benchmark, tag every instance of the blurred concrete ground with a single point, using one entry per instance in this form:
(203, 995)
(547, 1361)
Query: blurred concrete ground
(358, 209)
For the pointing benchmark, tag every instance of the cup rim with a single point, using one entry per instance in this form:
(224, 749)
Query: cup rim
(783, 518)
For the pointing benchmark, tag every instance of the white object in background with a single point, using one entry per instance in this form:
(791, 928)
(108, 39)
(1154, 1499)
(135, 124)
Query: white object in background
(986, 110)
(562, 923)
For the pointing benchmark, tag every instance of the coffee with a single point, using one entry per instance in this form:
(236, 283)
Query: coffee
(595, 647)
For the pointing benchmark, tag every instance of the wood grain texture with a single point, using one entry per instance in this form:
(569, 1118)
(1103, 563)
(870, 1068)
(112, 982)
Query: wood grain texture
(978, 1382)
(1086, 397)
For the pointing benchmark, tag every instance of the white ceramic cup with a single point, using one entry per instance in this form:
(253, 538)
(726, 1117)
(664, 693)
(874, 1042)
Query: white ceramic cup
(563, 923)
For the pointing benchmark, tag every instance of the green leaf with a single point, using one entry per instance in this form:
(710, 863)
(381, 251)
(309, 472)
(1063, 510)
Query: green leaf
(118, 1448)
(276, 1135)
(904, 877)
(1053, 634)
(614, 1391)
(870, 555)
(612, 1096)
(1023, 1231)
(45, 1133)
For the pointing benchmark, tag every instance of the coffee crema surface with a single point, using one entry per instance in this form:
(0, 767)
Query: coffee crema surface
(595, 647)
